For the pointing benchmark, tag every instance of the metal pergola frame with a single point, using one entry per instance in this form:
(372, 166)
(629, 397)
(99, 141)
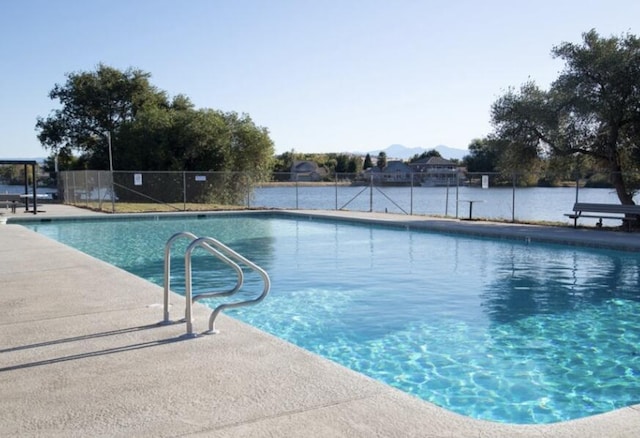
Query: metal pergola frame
(25, 163)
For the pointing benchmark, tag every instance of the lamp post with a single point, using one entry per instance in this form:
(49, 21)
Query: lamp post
(113, 194)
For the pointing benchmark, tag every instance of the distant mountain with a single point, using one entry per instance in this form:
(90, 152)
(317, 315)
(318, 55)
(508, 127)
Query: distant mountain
(451, 153)
(404, 153)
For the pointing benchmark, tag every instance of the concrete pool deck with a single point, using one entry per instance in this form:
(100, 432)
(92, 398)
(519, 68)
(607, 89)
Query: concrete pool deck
(81, 354)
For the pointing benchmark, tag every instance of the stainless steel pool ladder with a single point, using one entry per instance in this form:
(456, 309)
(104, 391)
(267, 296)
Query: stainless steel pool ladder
(224, 254)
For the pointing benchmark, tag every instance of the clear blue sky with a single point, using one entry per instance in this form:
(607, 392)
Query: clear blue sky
(322, 76)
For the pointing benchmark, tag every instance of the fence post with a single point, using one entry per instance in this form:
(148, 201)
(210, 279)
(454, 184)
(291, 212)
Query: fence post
(75, 188)
(247, 187)
(296, 176)
(336, 178)
(457, 193)
(411, 197)
(66, 184)
(446, 200)
(113, 192)
(99, 192)
(371, 193)
(513, 199)
(184, 191)
(86, 188)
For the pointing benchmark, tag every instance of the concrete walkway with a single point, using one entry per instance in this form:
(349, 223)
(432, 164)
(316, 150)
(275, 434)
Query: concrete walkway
(81, 354)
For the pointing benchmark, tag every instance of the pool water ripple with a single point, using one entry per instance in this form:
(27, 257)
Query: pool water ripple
(497, 330)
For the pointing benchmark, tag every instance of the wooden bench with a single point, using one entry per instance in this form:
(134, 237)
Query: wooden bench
(11, 200)
(605, 211)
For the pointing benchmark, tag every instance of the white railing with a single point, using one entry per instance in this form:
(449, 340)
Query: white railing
(222, 253)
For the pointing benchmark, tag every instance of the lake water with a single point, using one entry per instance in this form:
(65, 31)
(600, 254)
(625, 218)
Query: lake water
(13, 189)
(525, 204)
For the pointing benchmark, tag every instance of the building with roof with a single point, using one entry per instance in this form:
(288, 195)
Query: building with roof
(436, 171)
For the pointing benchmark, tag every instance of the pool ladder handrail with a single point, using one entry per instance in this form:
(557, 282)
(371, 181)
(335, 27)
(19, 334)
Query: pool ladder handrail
(226, 255)
(167, 271)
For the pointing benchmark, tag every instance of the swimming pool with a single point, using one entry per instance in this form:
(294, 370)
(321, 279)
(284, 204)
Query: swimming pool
(497, 330)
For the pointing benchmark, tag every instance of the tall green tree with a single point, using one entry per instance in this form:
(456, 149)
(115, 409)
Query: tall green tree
(591, 110)
(355, 164)
(342, 163)
(483, 156)
(250, 147)
(382, 160)
(427, 154)
(148, 130)
(92, 105)
(367, 162)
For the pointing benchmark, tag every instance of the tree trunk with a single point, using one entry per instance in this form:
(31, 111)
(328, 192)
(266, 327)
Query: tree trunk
(617, 180)
(625, 197)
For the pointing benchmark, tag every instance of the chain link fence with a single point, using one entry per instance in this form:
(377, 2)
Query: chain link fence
(154, 191)
(488, 196)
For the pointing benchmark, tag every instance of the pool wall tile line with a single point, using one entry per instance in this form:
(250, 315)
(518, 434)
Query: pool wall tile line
(81, 355)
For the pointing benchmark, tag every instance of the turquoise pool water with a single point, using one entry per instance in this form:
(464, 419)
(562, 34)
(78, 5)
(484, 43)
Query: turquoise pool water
(498, 330)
